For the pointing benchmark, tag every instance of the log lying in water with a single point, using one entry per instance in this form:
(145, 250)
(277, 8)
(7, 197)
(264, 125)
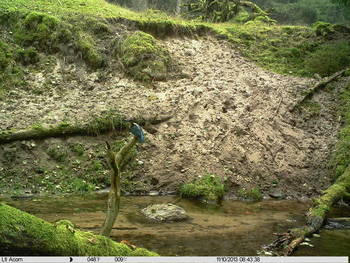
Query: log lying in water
(27, 235)
(97, 126)
(287, 242)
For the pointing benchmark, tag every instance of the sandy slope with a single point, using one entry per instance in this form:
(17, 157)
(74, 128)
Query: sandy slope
(230, 118)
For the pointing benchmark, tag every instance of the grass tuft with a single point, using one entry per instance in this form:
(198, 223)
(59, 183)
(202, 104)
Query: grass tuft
(209, 187)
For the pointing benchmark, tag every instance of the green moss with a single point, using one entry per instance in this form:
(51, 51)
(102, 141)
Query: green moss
(41, 30)
(253, 194)
(87, 46)
(329, 58)
(27, 56)
(341, 158)
(144, 58)
(5, 55)
(323, 29)
(208, 187)
(55, 239)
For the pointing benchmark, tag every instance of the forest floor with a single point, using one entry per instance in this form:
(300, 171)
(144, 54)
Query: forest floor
(229, 117)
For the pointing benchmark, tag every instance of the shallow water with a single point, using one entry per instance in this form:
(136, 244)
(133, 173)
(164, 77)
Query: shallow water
(234, 228)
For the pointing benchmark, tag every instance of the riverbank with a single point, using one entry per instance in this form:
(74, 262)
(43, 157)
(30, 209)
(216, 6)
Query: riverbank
(230, 117)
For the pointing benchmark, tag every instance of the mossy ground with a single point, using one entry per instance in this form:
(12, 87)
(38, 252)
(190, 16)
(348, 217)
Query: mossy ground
(49, 24)
(57, 166)
(81, 30)
(341, 157)
(144, 58)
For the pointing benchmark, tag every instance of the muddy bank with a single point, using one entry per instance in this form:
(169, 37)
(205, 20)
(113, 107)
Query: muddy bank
(230, 118)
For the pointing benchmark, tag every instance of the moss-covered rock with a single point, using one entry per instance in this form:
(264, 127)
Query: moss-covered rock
(144, 58)
(323, 29)
(208, 187)
(88, 48)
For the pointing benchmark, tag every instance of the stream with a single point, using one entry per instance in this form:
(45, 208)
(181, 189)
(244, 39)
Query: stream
(233, 228)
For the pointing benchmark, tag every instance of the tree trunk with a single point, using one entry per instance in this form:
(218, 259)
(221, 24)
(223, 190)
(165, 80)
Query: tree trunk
(26, 235)
(116, 161)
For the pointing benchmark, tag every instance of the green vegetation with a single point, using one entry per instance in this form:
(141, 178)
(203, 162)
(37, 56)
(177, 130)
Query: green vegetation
(309, 109)
(253, 194)
(57, 154)
(208, 187)
(341, 158)
(77, 148)
(329, 58)
(42, 31)
(87, 46)
(305, 12)
(144, 58)
(18, 229)
(27, 56)
(223, 11)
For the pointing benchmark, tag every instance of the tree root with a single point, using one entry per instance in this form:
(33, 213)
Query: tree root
(286, 243)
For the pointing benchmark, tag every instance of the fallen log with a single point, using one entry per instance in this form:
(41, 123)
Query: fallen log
(95, 127)
(26, 235)
(319, 85)
(287, 242)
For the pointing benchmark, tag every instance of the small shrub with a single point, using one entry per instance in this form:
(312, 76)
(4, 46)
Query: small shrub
(78, 185)
(208, 187)
(5, 55)
(329, 58)
(253, 194)
(57, 154)
(77, 148)
(27, 56)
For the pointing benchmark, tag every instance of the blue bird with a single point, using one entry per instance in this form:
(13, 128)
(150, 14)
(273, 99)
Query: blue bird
(137, 131)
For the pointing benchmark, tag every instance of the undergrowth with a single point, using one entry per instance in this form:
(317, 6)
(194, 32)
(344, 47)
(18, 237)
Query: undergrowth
(208, 187)
(253, 194)
(341, 157)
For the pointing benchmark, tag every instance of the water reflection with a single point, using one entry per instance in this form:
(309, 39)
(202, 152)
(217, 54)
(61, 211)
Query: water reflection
(234, 228)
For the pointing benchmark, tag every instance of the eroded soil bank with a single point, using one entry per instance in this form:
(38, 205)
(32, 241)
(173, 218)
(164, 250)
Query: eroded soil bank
(230, 118)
